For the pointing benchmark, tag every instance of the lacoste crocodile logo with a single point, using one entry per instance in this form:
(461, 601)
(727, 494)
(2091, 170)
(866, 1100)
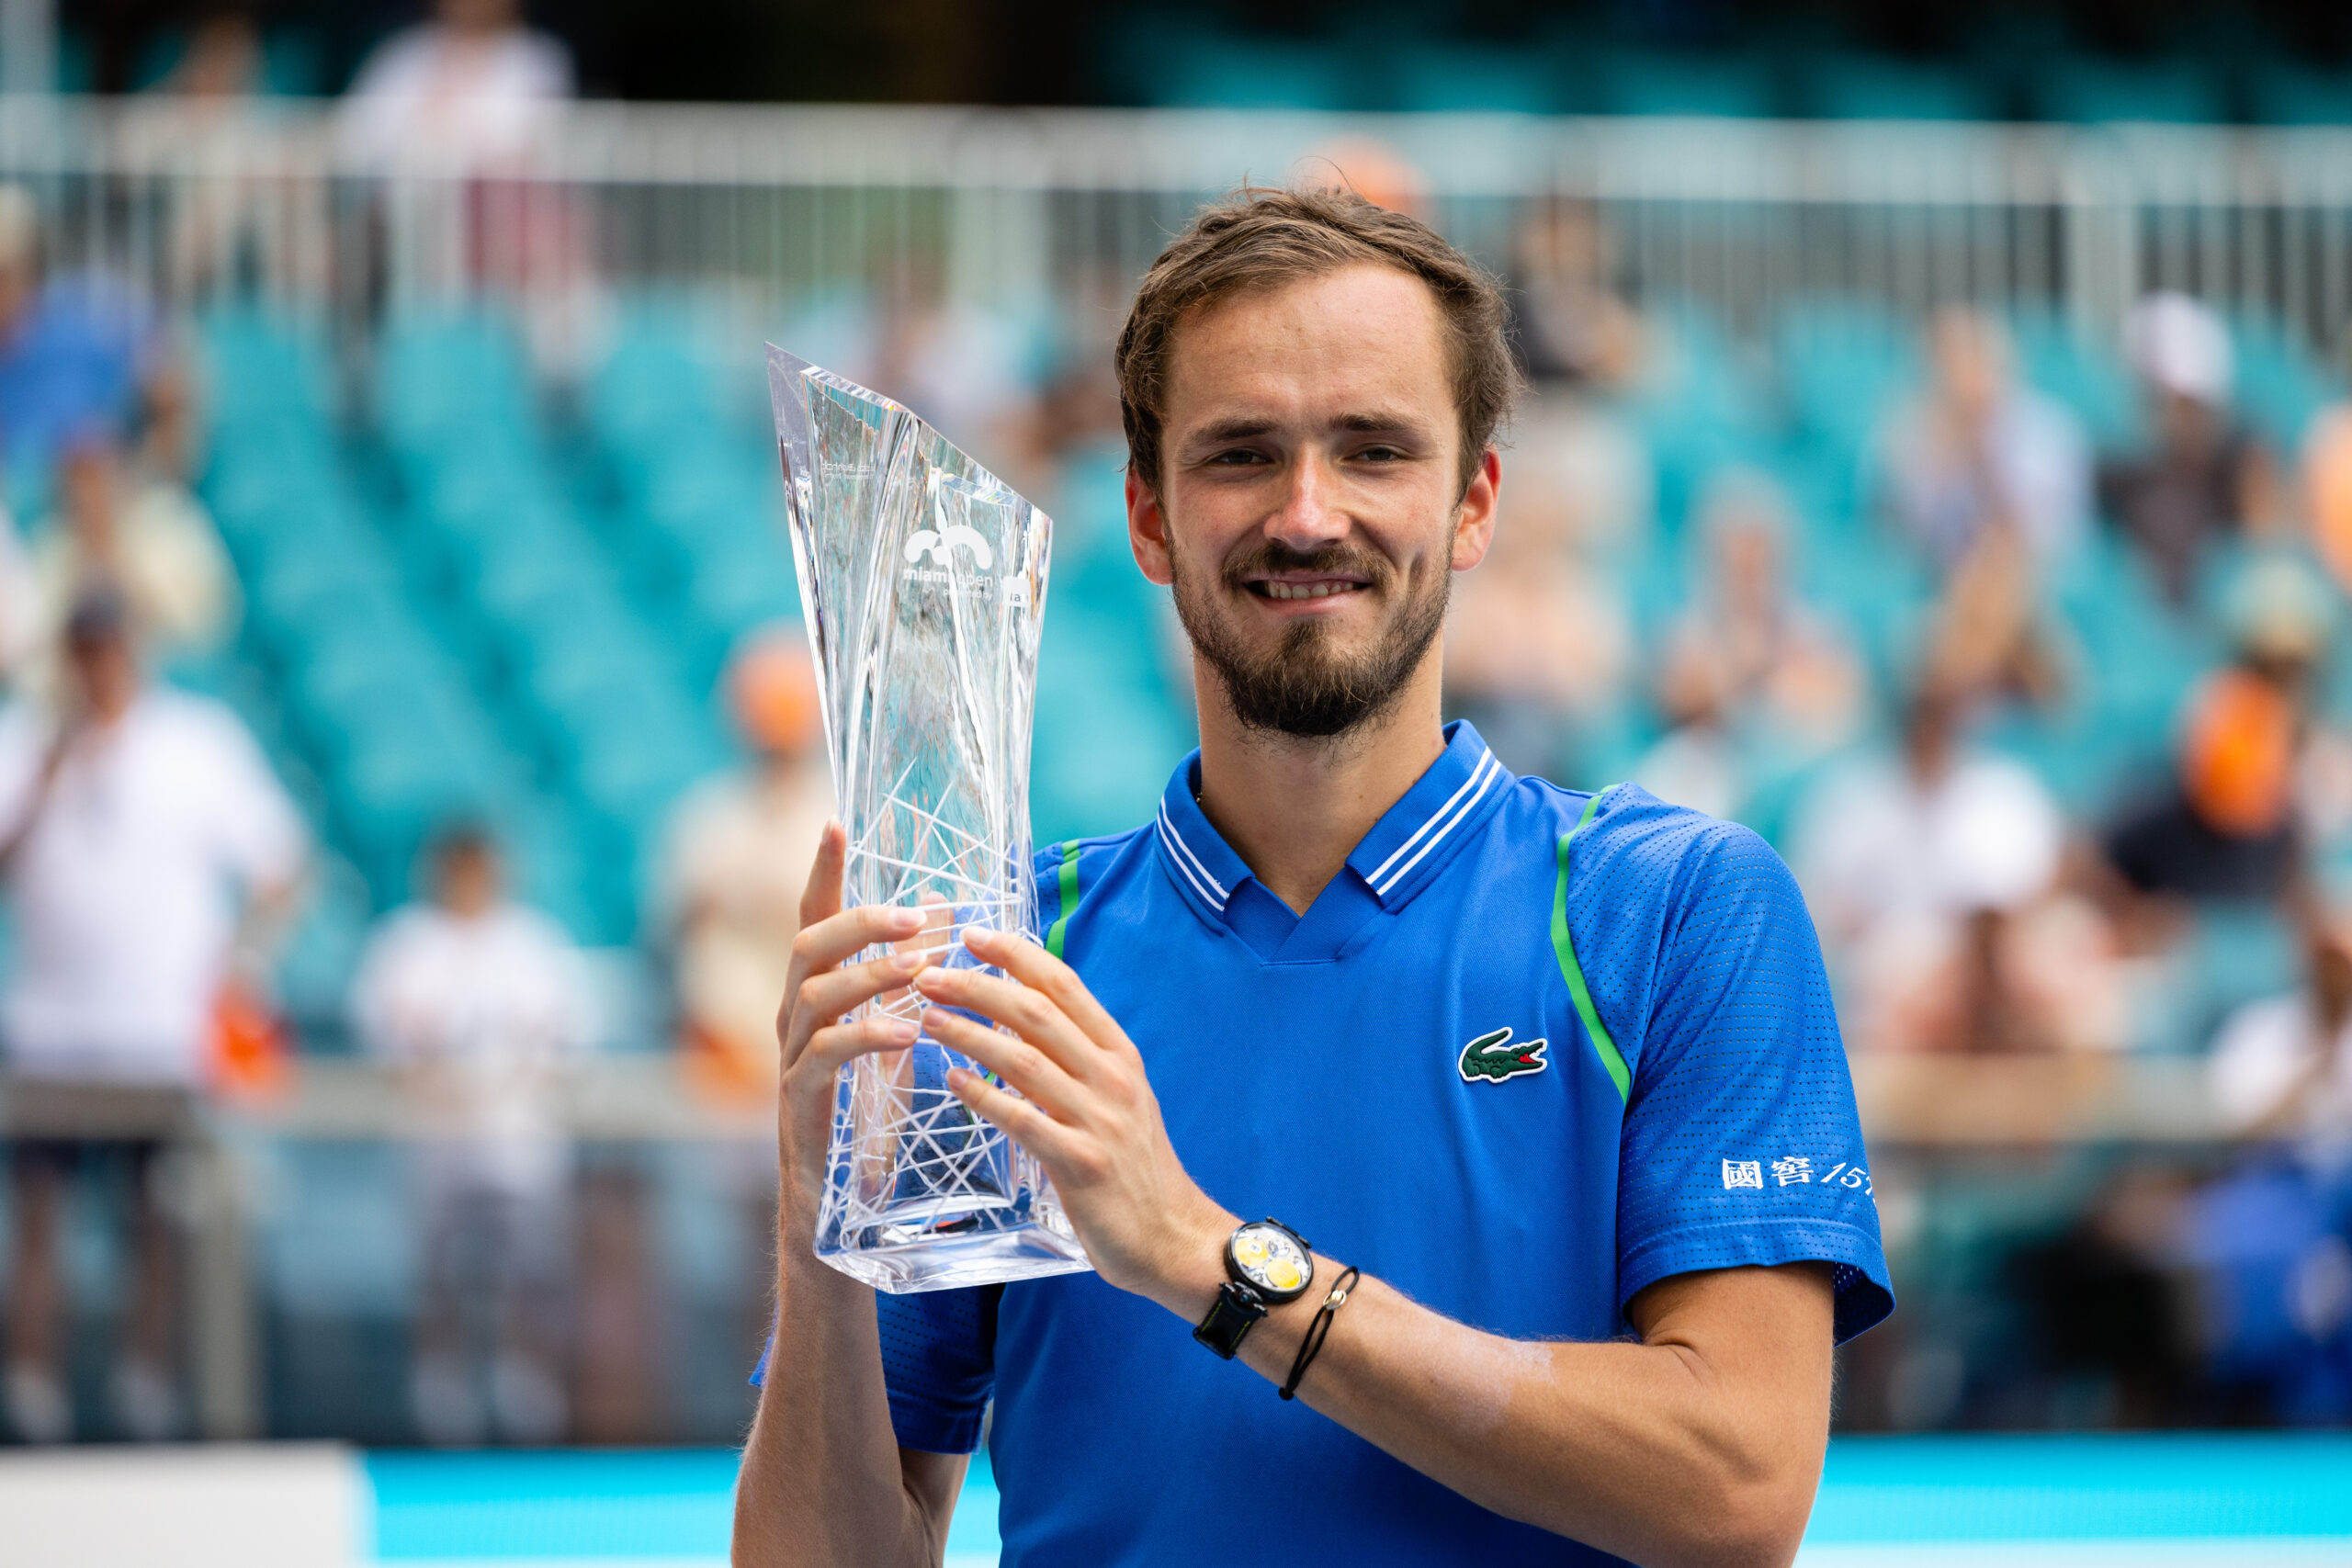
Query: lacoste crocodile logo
(1492, 1057)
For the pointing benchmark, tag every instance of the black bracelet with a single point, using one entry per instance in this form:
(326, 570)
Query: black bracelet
(1317, 1331)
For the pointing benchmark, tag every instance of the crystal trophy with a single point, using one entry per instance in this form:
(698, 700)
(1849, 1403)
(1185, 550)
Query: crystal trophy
(922, 579)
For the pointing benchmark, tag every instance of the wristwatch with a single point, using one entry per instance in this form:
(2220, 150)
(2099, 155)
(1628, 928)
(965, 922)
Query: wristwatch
(1266, 1265)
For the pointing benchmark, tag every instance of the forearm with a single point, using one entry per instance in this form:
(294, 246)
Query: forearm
(822, 1483)
(1650, 1450)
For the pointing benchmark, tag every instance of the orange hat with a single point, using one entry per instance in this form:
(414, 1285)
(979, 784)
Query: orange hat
(2239, 763)
(772, 685)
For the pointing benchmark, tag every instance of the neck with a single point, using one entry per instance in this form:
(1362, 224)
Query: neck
(1294, 809)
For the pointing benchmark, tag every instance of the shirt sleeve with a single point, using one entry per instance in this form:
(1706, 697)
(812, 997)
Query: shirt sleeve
(1741, 1142)
(938, 1365)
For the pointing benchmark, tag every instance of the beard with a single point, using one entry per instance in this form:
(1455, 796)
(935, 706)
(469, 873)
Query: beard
(1304, 685)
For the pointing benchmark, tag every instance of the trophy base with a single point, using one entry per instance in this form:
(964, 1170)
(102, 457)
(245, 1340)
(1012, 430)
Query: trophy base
(913, 1259)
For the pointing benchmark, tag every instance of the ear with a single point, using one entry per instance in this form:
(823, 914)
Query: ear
(1147, 531)
(1473, 529)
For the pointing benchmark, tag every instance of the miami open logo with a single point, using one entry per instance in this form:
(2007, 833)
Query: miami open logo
(940, 544)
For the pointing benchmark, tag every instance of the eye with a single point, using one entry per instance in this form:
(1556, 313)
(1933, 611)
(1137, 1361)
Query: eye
(1382, 453)
(1234, 457)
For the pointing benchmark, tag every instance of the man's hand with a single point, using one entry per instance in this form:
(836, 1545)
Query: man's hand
(1089, 1116)
(819, 992)
(824, 1480)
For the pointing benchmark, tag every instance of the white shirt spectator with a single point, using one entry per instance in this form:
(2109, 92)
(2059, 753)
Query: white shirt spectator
(2268, 1050)
(127, 888)
(2033, 467)
(435, 99)
(1876, 841)
(486, 1011)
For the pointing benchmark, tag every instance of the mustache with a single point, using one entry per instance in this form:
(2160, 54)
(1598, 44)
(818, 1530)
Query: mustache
(1271, 556)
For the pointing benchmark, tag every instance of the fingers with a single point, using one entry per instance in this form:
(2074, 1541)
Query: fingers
(1030, 964)
(835, 1044)
(938, 929)
(841, 936)
(1028, 1013)
(822, 898)
(1022, 1121)
(824, 998)
(1011, 1058)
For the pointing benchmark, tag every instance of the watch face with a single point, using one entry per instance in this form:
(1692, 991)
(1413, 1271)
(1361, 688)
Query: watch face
(1271, 1258)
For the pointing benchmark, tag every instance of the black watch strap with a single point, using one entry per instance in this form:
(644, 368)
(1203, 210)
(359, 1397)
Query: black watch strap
(1235, 1311)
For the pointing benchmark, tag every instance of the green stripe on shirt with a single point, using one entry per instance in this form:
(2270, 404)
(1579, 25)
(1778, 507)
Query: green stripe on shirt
(1059, 930)
(1564, 948)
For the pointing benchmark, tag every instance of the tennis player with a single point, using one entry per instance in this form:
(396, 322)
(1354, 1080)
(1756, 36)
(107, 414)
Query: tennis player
(1505, 1127)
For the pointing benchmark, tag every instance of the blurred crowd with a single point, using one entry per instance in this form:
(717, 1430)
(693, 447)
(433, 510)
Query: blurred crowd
(2040, 694)
(2011, 846)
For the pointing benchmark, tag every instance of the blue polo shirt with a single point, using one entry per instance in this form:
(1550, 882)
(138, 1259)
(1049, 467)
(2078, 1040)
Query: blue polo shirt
(1531, 1051)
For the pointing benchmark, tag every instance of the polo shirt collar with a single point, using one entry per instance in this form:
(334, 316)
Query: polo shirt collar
(1422, 829)
(1396, 860)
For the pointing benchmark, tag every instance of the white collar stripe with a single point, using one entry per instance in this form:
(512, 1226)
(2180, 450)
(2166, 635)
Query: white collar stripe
(1186, 850)
(1176, 855)
(1486, 773)
(1434, 819)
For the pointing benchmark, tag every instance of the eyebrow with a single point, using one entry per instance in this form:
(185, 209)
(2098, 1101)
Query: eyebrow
(1374, 422)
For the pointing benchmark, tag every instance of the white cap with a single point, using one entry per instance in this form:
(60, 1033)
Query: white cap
(2180, 344)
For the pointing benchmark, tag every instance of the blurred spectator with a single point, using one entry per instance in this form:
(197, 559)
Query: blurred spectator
(2327, 486)
(1574, 325)
(468, 92)
(1980, 455)
(479, 1004)
(230, 226)
(150, 859)
(1750, 677)
(738, 858)
(148, 540)
(1934, 876)
(2196, 484)
(2282, 1066)
(1989, 636)
(2225, 824)
(76, 355)
(2271, 1242)
(1536, 641)
(472, 101)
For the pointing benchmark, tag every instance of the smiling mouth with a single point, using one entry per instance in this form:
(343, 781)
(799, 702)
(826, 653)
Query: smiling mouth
(1275, 588)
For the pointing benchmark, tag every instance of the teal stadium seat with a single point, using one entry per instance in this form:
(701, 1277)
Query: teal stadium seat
(2284, 94)
(2280, 384)
(1448, 78)
(2088, 91)
(1189, 68)
(1869, 86)
(1636, 81)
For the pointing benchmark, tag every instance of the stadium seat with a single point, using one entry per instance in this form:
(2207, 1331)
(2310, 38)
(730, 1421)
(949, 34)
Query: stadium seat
(1450, 79)
(2284, 94)
(1862, 87)
(2090, 91)
(1635, 82)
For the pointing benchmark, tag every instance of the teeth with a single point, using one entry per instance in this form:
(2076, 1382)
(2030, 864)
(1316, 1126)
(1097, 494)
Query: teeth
(1307, 590)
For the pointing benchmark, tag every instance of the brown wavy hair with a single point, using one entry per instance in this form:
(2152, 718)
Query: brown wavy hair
(1261, 238)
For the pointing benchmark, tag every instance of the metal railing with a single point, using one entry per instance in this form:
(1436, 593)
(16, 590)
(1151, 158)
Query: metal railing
(197, 202)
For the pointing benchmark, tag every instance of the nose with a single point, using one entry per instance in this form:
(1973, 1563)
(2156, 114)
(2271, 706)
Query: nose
(1309, 514)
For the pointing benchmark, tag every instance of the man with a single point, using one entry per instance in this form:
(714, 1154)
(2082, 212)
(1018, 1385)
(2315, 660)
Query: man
(477, 1002)
(1556, 1072)
(151, 855)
